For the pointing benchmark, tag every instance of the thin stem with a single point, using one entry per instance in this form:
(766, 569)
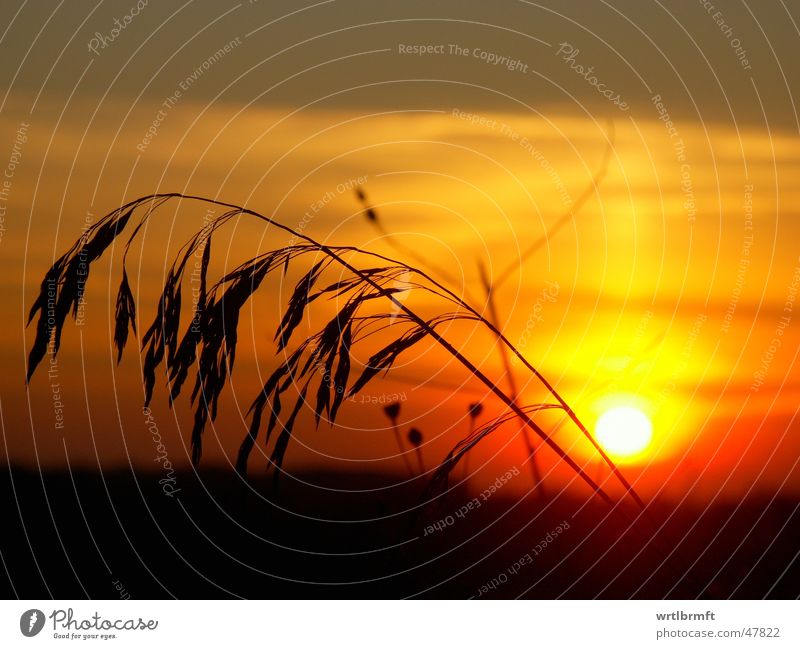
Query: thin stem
(403, 453)
(512, 383)
(567, 215)
(401, 247)
(420, 460)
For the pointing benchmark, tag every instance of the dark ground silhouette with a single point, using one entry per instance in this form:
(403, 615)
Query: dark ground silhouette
(84, 532)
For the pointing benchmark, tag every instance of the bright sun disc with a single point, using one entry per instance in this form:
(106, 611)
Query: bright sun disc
(623, 431)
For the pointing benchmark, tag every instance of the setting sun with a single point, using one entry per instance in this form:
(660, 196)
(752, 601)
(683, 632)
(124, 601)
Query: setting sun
(624, 432)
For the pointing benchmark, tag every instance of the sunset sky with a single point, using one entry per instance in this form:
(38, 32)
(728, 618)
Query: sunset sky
(674, 286)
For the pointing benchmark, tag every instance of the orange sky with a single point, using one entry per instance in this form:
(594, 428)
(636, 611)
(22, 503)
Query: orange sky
(668, 290)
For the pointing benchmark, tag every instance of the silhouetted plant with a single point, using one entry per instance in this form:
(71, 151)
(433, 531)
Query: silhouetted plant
(474, 411)
(392, 411)
(440, 477)
(407, 252)
(492, 284)
(415, 439)
(209, 345)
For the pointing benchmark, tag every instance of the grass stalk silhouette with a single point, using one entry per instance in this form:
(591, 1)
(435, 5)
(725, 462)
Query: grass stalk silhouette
(491, 305)
(490, 285)
(567, 215)
(211, 346)
(400, 248)
(415, 439)
(392, 412)
(474, 411)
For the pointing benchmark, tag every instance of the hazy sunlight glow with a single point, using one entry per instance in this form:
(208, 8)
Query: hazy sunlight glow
(623, 432)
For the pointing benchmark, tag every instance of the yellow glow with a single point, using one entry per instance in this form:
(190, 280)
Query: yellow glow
(624, 432)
